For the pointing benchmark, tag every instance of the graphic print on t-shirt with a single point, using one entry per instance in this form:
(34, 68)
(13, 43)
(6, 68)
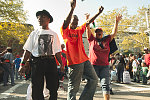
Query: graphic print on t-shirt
(45, 42)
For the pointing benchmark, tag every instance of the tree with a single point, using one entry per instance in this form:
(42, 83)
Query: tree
(140, 39)
(13, 30)
(126, 38)
(12, 11)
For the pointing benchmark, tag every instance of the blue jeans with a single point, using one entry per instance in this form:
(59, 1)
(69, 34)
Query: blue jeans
(104, 75)
(136, 76)
(144, 79)
(76, 72)
(17, 73)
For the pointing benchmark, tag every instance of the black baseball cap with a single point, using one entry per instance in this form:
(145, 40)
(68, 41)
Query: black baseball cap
(44, 12)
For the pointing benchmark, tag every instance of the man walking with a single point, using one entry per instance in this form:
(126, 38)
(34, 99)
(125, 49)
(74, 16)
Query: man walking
(8, 64)
(43, 64)
(17, 65)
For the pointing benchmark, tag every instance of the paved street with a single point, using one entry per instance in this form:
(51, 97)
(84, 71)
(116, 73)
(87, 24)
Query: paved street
(133, 91)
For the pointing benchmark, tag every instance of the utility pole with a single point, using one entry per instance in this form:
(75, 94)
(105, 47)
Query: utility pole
(147, 14)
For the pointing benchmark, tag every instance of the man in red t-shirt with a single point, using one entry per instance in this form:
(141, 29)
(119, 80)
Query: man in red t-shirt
(147, 57)
(77, 58)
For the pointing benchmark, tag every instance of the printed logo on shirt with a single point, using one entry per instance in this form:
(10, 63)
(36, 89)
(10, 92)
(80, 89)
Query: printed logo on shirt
(73, 35)
(45, 43)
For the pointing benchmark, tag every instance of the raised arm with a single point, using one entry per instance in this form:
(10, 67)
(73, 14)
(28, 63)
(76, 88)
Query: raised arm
(88, 30)
(68, 19)
(3, 52)
(114, 32)
(94, 17)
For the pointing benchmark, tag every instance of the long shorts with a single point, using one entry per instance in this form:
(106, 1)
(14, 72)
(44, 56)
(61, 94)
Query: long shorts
(104, 75)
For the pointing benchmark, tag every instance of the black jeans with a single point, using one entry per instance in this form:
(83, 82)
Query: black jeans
(41, 67)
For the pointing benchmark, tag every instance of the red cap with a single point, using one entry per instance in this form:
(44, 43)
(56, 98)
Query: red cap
(99, 28)
(17, 56)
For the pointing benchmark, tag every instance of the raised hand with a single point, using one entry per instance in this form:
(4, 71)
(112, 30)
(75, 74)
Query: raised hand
(101, 9)
(118, 17)
(114, 32)
(87, 16)
(73, 3)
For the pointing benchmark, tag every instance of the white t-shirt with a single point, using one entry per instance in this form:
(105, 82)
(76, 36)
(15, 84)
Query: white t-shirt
(43, 42)
(135, 64)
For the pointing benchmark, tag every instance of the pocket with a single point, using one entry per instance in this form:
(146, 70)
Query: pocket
(34, 60)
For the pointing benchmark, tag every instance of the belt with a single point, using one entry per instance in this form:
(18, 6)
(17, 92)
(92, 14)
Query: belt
(7, 61)
(44, 57)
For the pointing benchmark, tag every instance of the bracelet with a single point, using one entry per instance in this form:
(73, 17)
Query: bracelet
(22, 63)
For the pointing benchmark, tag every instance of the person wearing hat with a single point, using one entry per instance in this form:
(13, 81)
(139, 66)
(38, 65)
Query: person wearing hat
(8, 59)
(78, 61)
(99, 51)
(43, 64)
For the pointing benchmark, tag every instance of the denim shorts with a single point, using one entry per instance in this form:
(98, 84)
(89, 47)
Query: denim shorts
(104, 76)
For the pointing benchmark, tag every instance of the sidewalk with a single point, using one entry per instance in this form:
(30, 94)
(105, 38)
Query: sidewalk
(133, 91)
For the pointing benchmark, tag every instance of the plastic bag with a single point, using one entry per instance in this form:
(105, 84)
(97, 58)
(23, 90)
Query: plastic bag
(29, 91)
(113, 75)
(126, 77)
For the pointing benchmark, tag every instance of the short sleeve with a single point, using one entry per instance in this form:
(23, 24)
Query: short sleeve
(82, 28)
(29, 43)
(57, 45)
(64, 32)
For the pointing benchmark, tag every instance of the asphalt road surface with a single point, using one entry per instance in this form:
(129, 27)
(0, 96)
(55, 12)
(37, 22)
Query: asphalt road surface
(132, 91)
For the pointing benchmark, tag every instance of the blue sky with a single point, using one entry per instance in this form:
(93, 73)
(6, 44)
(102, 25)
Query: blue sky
(59, 9)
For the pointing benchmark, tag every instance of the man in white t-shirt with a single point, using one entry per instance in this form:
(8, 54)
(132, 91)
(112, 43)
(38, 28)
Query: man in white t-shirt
(43, 60)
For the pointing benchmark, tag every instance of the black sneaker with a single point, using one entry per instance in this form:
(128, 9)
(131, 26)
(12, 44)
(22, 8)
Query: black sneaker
(111, 92)
(12, 84)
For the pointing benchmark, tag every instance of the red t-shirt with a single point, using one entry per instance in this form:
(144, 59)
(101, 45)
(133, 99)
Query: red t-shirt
(97, 55)
(74, 44)
(64, 60)
(63, 51)
(147, 59)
